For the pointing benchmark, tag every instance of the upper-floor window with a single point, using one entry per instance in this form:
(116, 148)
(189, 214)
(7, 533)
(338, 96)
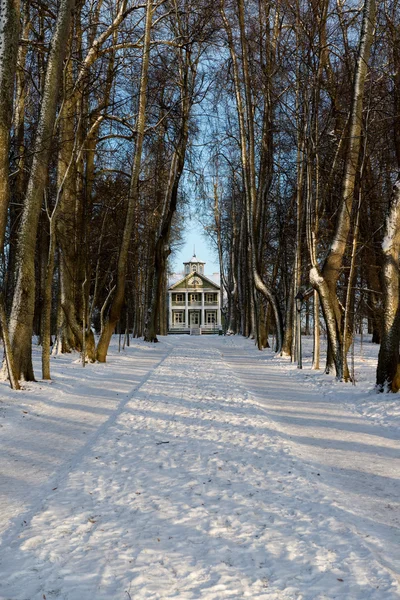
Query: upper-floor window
(211, 298)
(179, 298)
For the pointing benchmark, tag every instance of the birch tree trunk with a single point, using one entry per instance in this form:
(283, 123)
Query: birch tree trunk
(9, 38)
(325, 282)
(245, 111)
(388, 371)
(21, 320)
(18, 184)
(118, 300)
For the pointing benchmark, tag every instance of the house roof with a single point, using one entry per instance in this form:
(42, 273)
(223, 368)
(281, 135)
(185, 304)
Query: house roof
(199, 275)
(194, 259)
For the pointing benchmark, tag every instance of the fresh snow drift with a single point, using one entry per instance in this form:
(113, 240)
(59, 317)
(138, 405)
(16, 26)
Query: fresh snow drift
(199, 468)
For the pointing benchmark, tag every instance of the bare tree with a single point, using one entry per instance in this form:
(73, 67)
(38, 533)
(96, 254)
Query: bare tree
(21, 320)
(325, 280)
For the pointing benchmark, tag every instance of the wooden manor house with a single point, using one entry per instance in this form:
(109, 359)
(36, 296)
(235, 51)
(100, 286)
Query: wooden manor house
(194, 301)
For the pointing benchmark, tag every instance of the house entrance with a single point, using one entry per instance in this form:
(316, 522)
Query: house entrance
(194, 319)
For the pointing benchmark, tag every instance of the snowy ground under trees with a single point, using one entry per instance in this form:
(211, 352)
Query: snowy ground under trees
(199, 468)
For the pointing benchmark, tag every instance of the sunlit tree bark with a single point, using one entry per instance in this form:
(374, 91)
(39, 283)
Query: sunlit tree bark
(325, 281)
(21, 320)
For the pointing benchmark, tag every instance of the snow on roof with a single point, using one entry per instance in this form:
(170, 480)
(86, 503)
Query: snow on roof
(194, 259)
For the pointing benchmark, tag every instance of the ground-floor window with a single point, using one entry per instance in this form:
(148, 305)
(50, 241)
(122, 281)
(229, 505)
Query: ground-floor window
(179, 317)
(211, 317)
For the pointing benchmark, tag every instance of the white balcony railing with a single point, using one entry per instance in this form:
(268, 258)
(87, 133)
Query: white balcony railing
(194, 303)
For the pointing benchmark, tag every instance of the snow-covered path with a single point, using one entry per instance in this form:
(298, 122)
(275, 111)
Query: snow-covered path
(48, 427)
(356, 460)
(216, 475)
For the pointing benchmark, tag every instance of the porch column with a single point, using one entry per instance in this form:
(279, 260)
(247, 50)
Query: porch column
(170, 309)
(202, 323)
(186, 310)
(219, 322)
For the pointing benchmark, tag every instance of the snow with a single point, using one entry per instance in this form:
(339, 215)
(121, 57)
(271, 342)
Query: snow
(315, 277)
(199, 468)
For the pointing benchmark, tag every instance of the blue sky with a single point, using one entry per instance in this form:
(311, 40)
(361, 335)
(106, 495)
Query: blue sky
(194, 237)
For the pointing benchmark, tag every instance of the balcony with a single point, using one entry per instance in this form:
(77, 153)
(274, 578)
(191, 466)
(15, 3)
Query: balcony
(207, 304)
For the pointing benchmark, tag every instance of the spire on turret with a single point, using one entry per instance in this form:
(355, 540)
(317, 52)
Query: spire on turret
(194, 264)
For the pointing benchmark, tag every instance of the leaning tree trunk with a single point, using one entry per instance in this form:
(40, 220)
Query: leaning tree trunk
(245, 111)
(21, 320)
(388, 371)
(9, 38)
(250, 179)
(119, 298)
(325, 282)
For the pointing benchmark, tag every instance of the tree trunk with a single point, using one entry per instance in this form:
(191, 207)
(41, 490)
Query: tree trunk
(118, 301)
(388, 372)
(245, 111)
(21, 320)
(289, 322)
(326, 281)
(47, 297)
(316, 332)
(14, 383)
(9, 38)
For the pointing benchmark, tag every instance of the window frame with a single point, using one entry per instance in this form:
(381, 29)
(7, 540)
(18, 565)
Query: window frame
(179, 317)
